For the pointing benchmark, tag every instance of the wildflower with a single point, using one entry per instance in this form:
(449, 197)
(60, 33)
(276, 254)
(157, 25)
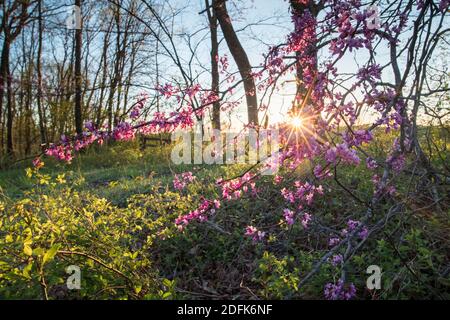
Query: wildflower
(371, 163)
(333, 241)
(182, 180)
(123, 131)
(338, 291)
(254, 233)
(278, 179)
(289, 216)
(337, 260)
(37, 163)
(305, 220)
(364, 233)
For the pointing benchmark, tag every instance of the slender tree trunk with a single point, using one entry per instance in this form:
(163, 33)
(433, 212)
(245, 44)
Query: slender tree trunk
(26, 93)
(104, 77)
(29, 113)
(298, 8)
(78, 85)
(3, 77)
(39, 76)
(241, 59)
(214, 64)
(115, 77)
(10, 112)
(158, 98)
(9, 101)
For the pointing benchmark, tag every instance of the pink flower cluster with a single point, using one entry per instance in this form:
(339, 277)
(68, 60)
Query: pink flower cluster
(350, 19)
(124, 131)
(371, 163)
(254, 233)
(182, 180)
(61, 152)
(357, 137)
(64, 150)
(333, 241)
(369, 74)
(234, 189)
(338, 291)
(444, 5)
(37, 163)
(397, 162)
(207, 207)
(193, 90)
(167, 90)
(305, 220)
(320, 172)
(343, 152)
(303, 194)
(337, 260)
(137, 109)
(289, 216)
(352, 225)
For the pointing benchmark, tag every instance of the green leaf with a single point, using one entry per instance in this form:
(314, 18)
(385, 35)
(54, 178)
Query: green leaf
(50, 254)
(167, 283)
(166, 295)
(137, 289)
(27, 249)
(26, 270)
(9, 238)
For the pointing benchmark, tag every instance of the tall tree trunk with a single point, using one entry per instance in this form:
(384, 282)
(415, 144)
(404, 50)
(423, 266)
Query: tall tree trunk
(3, 80)
(9, 117)
(115, 77)
(9, 101)
(78, 85)
(29, 113)
(241, 59)
(214, 64)
(298, 8)
(39, 76)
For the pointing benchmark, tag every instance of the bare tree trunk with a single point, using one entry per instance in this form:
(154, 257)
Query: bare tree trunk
(28, 92)
(9, 102)
(78, 85)
(298, 8)
(214, 64)
(3, 80)
(39, 76)
(241, 59)
(115, 77)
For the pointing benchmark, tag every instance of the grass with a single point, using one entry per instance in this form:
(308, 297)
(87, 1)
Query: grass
(114, 172)
(106, 171)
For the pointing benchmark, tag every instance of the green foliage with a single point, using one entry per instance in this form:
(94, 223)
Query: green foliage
(278, 277)
(56, 226)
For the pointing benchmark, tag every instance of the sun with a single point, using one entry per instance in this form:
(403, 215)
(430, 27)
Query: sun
(296, 122)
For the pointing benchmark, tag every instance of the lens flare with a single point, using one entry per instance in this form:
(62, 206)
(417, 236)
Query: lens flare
(296, 122)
